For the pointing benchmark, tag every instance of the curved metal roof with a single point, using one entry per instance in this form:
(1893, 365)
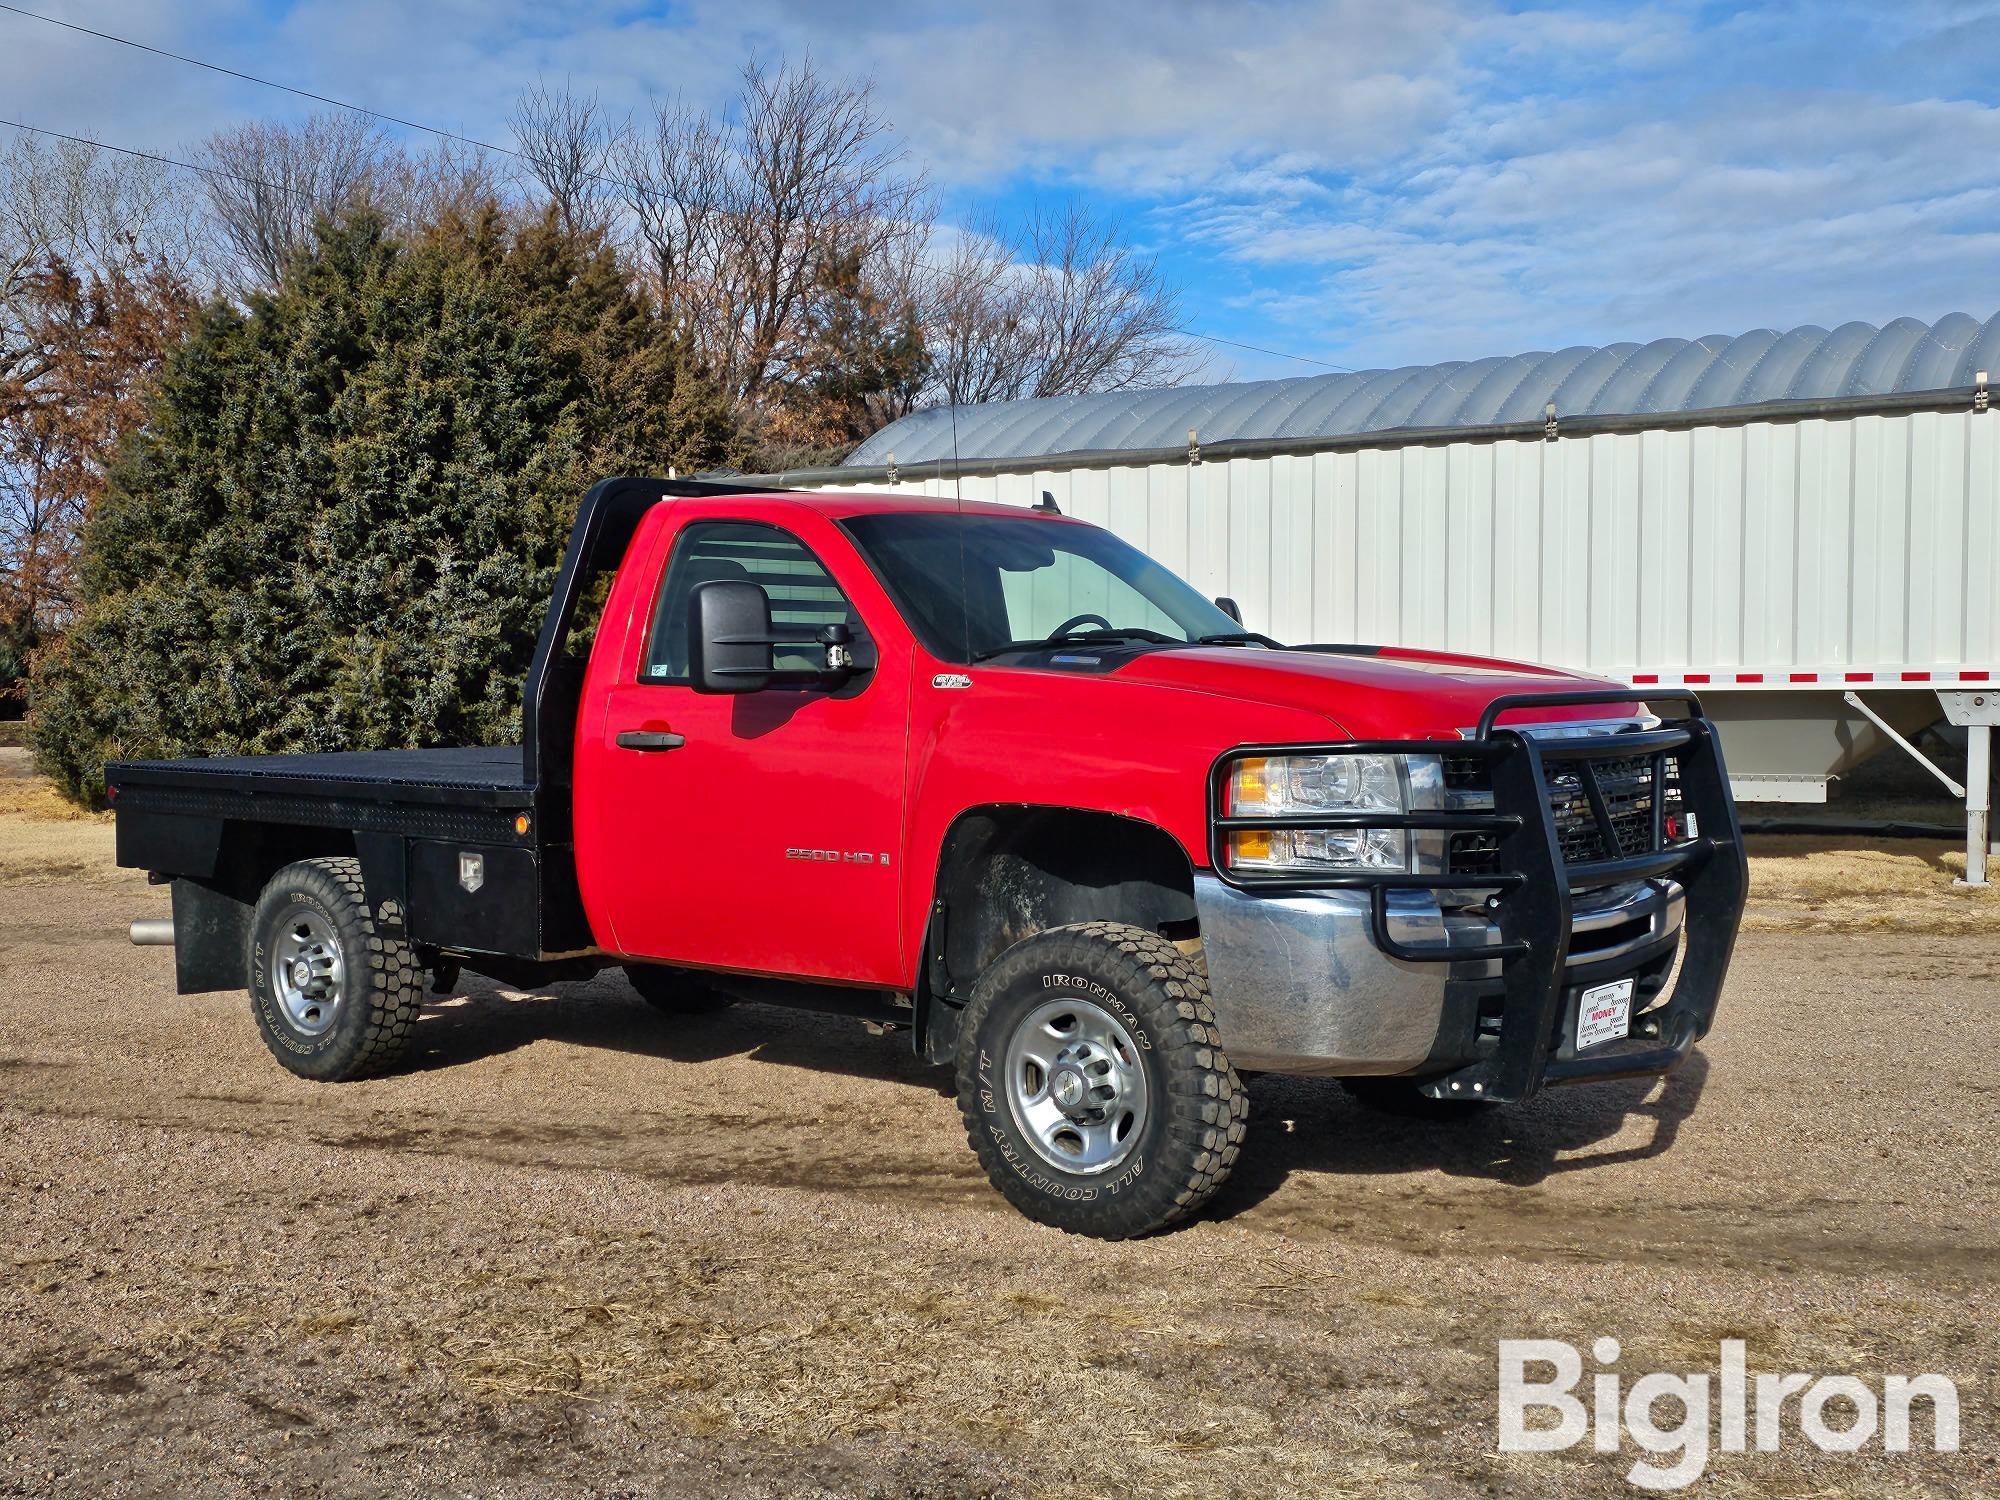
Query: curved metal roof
(1667, 375)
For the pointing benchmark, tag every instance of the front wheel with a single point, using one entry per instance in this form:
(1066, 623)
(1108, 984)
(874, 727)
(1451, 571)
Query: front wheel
(1093, 1085)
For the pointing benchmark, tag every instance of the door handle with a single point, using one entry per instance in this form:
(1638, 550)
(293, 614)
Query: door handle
(649, 739)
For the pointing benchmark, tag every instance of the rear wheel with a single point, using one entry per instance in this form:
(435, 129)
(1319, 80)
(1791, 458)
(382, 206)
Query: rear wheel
(1092, 1082)
(676, 992)
(335, 996)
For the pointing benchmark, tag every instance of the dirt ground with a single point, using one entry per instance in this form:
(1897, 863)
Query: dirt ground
(577, 1249)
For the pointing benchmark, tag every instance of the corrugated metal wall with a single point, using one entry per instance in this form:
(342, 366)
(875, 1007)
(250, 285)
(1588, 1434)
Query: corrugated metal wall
(1858, 544)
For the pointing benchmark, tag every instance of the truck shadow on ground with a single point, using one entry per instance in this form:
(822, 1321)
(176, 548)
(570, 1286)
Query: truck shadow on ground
(1313, 1126)
(1297, 1125)
(483, 1021)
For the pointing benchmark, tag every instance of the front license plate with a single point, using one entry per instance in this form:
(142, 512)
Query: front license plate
(1604, 1014)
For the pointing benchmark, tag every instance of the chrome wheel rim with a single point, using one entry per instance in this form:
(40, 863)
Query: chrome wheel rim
(307, 970)
(1076, 1083)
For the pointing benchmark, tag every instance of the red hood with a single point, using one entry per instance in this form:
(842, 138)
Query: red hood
(1392, 694)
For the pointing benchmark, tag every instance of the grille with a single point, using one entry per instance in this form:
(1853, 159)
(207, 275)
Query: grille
(1627, 786)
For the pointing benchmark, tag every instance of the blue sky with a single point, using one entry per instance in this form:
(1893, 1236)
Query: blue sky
(1363, 183)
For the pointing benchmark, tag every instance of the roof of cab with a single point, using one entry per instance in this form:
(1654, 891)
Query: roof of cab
(840, 504)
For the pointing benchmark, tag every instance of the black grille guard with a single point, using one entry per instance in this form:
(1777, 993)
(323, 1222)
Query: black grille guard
(1531, 883)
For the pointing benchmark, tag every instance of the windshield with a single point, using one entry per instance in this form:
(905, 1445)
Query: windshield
(977, 585)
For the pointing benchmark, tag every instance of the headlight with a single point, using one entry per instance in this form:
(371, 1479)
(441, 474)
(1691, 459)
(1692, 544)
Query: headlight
(1293, 785)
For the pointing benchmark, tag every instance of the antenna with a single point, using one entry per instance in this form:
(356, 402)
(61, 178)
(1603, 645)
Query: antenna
(958, 497)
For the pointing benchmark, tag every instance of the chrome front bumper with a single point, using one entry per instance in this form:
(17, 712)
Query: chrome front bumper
(1324, 971)
(1299, 985)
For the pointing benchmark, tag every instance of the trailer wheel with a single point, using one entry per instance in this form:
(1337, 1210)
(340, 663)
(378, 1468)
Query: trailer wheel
(1093, 1084)
(1400, 1097)
(334, 996)
(676, 992)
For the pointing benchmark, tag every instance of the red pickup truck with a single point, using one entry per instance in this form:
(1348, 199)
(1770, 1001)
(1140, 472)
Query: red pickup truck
(994, 775)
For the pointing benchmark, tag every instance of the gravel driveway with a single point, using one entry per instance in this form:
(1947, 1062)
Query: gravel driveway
(582, 1249)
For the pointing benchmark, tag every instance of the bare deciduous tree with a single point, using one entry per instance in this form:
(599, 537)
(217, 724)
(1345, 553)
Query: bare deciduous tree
(79, 205)
(451, 182)
(269, 183)
(93, 342)
(739, 221)
(90, 206)
(980, 326)
(1062, 308)
(570, 145)
(678, 187)
(94, 253)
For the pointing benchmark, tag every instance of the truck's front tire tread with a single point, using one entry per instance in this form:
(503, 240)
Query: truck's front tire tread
(1207, 1108)
(385, 992)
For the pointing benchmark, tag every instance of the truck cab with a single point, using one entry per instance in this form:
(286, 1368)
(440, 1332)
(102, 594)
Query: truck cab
(995, 775)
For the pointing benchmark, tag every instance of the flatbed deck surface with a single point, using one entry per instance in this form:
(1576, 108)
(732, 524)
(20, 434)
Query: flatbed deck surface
(473, 777)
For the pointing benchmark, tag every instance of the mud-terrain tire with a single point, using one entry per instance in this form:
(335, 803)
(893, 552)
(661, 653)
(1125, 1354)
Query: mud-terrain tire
(335, 995)
(676, 992)
(1400, 1097)
(1093, 1084)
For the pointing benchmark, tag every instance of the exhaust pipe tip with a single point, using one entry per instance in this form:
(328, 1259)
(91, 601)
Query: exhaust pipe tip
(153, 932)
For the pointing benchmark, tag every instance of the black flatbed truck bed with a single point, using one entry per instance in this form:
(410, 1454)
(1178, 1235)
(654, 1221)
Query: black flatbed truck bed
(472, 776)
(429, 827)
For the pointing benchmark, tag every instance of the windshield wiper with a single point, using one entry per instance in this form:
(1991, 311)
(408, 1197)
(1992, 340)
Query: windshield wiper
(1116, 633)
(1082, 638)
(1239, 638)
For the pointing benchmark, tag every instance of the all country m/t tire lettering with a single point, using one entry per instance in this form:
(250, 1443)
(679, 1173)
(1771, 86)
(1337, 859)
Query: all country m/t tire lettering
(1093, 1083)
(335, 996)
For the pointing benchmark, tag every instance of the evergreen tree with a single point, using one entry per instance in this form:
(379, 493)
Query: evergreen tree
(341, 521)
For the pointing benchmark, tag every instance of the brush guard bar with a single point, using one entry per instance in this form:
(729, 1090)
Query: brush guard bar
(1531, 884)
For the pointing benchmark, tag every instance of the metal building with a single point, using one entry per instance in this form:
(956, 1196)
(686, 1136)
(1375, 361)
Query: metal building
(1805, 525)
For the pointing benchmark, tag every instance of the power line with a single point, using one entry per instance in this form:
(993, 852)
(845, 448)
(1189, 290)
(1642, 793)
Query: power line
(269, 83)
(442, 134)
(1304, 359)
(168, 161)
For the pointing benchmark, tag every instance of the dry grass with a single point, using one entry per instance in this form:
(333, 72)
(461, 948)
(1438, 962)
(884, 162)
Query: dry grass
(50, 840)
(1824, 883)
(34, 797)
(801, 1354)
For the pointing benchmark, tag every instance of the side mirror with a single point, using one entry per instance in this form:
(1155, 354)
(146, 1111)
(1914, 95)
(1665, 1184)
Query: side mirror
(729, 637)
(1229, 607)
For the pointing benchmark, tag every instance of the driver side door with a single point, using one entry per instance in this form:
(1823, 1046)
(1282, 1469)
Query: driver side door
(768, 838)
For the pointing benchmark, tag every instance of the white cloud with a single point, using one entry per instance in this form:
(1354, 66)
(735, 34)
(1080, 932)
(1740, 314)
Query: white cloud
(1757, 211)
(1138, 92)
(1369, 182)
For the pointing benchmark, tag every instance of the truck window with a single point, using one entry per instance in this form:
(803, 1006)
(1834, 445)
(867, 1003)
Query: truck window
(974, 584)
(802, 592)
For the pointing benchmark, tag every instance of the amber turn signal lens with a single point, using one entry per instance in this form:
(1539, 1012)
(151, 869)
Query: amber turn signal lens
(521, 823)
(1249, 783)
(1249, 844)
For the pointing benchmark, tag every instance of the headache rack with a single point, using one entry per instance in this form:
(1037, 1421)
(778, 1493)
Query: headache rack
(1555, 827)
